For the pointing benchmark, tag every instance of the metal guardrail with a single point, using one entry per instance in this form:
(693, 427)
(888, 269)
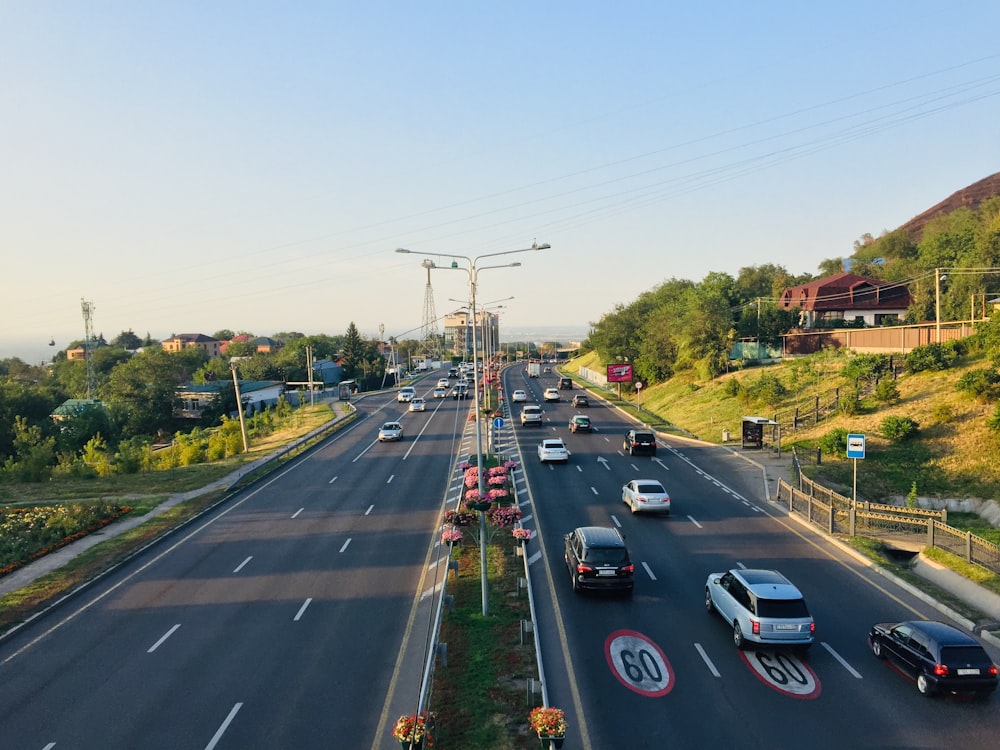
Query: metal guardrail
(836, 514)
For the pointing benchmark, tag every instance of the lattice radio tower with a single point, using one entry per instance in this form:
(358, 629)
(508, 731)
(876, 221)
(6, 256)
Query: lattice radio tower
(88, 340)
(428, 325)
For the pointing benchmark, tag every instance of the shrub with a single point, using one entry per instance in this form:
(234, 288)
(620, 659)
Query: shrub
(994, 422)
(983, 384)
(834, 443)
(868, 367)
(932, 357)
(732, 387)
(850, 402)
(886, 392)
(899, 428)
(768, 389)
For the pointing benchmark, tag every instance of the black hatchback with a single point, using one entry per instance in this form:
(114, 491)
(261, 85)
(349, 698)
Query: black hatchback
(939, 657)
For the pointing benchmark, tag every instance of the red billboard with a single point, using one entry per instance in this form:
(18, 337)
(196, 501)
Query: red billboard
(620, 373)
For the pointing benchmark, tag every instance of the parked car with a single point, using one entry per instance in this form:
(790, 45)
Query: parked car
(580, 401)
(518, 396)
(405, 394)
(418, 404)
(440, 392)
(597, 558)
(390, 431)
(531, 415)
(761, 606)
(646, 495)
(640, 442)
(580, 423)
(551, 394)
(552, 449)
(937, 656)
(565, 384)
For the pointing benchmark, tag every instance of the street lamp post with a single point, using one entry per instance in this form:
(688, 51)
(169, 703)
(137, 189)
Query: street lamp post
(473, 272)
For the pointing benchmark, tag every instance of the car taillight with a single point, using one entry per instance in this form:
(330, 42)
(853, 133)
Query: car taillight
(755, 627)
(992, 670)
(627, 568)
(812, 628)
(941, 670)
(581, 568)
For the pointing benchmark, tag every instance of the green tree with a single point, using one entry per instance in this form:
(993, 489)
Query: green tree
(143, 391)
(353, 353)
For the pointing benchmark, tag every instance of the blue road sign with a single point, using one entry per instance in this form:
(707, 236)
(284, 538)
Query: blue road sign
(855, 446)
(498, 422)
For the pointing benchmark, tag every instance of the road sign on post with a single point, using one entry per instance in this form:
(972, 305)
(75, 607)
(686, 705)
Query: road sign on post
(855, 446)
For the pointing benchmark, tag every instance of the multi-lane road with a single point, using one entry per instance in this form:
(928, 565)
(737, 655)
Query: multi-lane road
(279, 620)
(656, 669)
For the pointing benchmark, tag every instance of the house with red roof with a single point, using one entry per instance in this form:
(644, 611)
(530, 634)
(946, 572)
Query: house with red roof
(844, 299)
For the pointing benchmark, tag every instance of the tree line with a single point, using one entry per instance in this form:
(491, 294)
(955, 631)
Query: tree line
(686, 326)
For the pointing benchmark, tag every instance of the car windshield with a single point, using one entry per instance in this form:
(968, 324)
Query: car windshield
(782, 608)
(606, 556)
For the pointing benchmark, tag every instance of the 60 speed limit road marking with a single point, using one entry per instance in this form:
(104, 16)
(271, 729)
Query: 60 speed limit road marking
(638, 663)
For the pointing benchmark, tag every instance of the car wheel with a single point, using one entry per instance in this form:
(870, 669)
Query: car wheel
(924, 685)
(709, 606)
(738, 639)
(877, 648)
(574, 582)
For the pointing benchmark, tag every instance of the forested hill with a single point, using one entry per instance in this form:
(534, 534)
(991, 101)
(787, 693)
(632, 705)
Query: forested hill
(969, 197)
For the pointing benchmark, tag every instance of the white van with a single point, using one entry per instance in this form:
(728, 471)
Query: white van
(406, 394)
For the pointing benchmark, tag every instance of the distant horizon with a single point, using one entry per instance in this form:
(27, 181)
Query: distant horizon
(34, 352)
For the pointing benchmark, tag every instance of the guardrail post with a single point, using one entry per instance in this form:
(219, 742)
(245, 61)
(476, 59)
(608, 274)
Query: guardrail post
(968, 546)
(442, 652)
(527, 628)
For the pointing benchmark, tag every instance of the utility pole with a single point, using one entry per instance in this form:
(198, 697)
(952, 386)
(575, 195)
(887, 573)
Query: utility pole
(88, 339)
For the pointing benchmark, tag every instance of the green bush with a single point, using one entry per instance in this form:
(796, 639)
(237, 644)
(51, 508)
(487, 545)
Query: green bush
(834, 443)
(983, 384)
(732, 387)
(933, 357)
(886, 391)
(850, 402)
(899, 428)
(768, 390)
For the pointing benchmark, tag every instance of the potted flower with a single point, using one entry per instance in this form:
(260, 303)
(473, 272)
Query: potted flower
(521, 535)
(412, 729)
(450, 536)
(549, 724)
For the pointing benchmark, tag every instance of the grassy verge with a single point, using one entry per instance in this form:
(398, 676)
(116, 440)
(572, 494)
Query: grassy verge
(480, 698)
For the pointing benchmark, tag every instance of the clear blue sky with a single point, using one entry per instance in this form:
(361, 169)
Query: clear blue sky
(192, 166)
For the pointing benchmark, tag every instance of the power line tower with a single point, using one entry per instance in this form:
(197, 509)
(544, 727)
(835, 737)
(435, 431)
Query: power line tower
(428, 326)
(88, 340)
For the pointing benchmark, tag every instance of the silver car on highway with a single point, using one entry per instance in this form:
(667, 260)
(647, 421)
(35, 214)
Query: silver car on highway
(762, 607)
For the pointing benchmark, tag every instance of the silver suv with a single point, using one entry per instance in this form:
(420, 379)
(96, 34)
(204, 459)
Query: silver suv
(762, 606)
(531, 414)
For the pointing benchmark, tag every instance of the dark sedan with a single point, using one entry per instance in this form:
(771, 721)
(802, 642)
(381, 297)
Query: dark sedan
(938, 657)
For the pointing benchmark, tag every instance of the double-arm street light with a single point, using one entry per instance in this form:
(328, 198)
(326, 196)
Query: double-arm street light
(472, 268)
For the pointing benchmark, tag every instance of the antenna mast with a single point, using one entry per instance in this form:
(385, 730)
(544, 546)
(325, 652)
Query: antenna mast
(88, 339)
(428, 326)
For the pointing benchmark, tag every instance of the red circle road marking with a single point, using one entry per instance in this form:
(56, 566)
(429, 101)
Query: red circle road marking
(638, 663)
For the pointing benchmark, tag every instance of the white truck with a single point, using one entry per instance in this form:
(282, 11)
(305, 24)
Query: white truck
(534, 369)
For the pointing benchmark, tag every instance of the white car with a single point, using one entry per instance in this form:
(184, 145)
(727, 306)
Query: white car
(440, 392)
(518, 396)
(418, 404)
(646, 495)
(552, 449)
(405, 394)
(551, 394)
(390, 431)
(443, 383)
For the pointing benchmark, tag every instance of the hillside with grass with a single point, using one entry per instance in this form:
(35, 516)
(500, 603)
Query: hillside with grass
(953, 452)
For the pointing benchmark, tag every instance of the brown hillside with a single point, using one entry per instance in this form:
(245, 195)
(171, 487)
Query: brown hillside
(969, 197)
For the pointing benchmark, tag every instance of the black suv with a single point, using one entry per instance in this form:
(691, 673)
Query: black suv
(639, 441)
(565, 384)
(597, 559)
(938, 656)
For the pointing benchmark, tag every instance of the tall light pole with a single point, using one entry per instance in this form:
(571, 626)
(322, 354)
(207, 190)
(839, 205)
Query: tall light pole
(473, 269)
